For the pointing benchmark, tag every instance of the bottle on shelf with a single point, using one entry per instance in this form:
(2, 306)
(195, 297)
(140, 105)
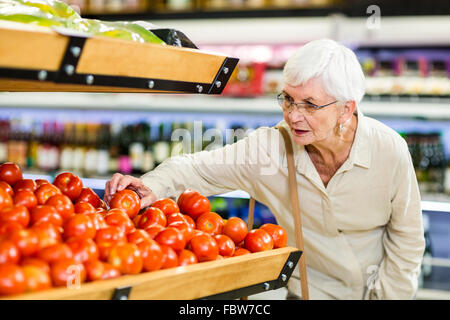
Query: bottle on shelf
(114, 145)
(79, 152)
(161, 149)
(148, 161)
(91, 156)
(137, 148)
(125, 165)
(103, 156)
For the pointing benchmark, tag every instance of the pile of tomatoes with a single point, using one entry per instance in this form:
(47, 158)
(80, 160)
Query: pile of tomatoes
(55, 234)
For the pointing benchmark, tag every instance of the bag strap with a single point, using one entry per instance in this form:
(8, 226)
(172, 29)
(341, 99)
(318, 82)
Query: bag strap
(293, 192)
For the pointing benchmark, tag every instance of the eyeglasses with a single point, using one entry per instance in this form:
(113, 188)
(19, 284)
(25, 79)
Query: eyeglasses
(287, 104)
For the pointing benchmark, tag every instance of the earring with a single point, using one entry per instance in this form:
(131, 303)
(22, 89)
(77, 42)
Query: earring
(340, 127)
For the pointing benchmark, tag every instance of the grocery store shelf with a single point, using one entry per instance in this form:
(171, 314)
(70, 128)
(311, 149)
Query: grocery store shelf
(428, 108)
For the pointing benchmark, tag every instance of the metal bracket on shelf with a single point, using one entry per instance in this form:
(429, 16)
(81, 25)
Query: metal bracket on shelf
(223, 75)
(280, 282)
(122, 293)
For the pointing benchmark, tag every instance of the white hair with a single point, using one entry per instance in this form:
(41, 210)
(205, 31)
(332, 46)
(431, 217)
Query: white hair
(334, 64)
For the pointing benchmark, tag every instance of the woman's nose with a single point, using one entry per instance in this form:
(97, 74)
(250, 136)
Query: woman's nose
(297, 115)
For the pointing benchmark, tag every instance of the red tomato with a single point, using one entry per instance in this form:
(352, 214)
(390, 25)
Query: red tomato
(154, 230)
(79, 226)
(103, 250)
(128, 200)
(152, 254)
(126, 257)
(62, 204)
(190, 221)
(110, 234)
(55, 252)
(12, 279)
(36, 279)
(98, 270)
(5, 186)
(152, 216)
(45, 213)
(258, 240)
(7, 227)
(138, 235)
(171, 237)
(5, 199)
(84, 208)
(26, 241)
(240, 252)
(45, 191)
(210, 222)
(10, 173)
(98, 220)
(83, 249)
(117, 217)
(69, 184)
(18, 214)
(40, 182)
(48, 234)
(25, 198)
(169, 258)
(25, 184)
(204, 247)
(226, 245)
(185, 228)
(43, 265)
(193, 203)
(9, 253)
(236, 229)
(171, 218)
(167, 206)
(278, 234)
(67, 272)
(88, 195)
(186, 257)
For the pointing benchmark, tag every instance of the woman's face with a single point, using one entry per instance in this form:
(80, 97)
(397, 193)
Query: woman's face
(311, 128)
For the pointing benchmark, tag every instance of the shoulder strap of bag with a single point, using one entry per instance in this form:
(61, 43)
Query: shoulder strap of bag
(293, 192)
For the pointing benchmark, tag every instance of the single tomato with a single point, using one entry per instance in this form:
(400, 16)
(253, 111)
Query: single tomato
(171, 218)
(169, 257)
(7, 227)
(69, 184)
(154, 230)
(5, 199)
(185, 228)
(258, 240)
(84, 208)
(9, 253)
(62, 204)
(126, 257)
(55, 252)
(110, 234)
(204, 247)
(45, 191)
(210, 222)
(40, 182)
(117, 217)
(152, 216)
(25, 184)
(5, 186)
(186, 257)
(79, 226)
(278, 234)
(18, 214)
(48, 234)
(190, 221)
(26, 241)
(193, 203)
(88, 195)
(43, 265)
(171, 237)
(45, 213)
(10, 173)
(236, 229)
(98, 220)
(240, 252)
(36, 279)
(67, 272)
(152, 255)
(166, 205)
(226, 245)
(128, 200)
(12, 279)
(137, 235)
(25, 198)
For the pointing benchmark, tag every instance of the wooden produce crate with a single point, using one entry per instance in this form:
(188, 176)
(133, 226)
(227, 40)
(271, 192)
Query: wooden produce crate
(221, 279)
(34, 58)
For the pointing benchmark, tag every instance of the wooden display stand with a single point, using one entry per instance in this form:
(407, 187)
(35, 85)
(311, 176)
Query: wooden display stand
(36, 58)
(230, 278)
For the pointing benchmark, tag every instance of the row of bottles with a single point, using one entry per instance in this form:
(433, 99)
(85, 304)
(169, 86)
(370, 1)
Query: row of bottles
(100, 149)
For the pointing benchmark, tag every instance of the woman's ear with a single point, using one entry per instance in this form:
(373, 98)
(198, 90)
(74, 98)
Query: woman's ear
(347, 111)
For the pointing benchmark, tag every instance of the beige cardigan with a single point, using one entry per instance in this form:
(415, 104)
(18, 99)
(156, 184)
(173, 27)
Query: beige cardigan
(363, 233)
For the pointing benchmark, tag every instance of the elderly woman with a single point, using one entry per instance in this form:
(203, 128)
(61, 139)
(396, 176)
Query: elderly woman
(358, 193)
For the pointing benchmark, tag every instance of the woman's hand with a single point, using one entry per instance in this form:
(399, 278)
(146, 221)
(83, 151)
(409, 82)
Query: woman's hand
(120, 182)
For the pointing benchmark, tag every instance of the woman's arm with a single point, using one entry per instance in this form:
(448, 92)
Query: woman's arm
(403, 240)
